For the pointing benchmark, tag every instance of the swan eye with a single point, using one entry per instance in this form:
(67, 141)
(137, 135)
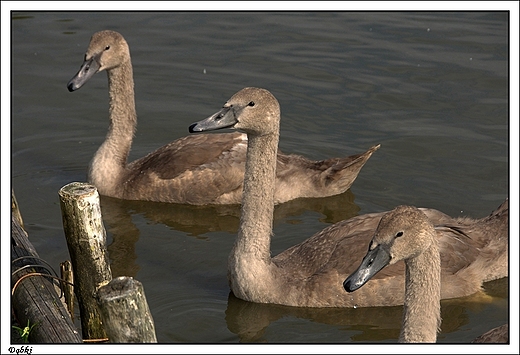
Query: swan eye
(107, 48)
(399, 234)
(251, 103)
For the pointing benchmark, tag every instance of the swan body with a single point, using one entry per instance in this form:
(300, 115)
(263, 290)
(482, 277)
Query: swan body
(196, 169)
(311, 274)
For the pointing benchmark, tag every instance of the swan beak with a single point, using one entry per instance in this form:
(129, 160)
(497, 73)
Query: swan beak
(375, 260)
(87, 70)
(225, 118)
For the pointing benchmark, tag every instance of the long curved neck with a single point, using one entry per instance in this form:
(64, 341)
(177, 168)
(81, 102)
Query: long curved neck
(250, 258)
(422, 310)
(109, 162)
(256, 220)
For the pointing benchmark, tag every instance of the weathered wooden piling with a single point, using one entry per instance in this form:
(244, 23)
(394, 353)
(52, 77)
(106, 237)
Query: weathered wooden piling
(125, 312)
(67, 285)
(34, 297)
(86, 241)
(15, 210)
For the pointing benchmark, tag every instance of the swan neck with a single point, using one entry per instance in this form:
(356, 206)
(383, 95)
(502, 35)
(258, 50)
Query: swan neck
(109, 162)
(256, 220)
(421, 318)
(250, 269)
(122, 114)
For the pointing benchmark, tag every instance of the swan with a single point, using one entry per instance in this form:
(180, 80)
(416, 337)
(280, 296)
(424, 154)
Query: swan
(406, 233)
(198, 170)
(311, 274)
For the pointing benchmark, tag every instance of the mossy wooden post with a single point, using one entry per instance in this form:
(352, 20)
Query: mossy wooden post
(86, 240)
(125, 312)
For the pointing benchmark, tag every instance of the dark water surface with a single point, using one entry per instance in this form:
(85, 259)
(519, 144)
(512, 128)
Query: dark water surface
(431, 88)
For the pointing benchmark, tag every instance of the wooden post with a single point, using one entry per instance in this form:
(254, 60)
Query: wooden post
(15, 210)
(68, 287)
(34, 298)
(125, 312)
(86, 240)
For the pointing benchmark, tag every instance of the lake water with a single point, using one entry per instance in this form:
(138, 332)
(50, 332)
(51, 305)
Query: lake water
(431, 88)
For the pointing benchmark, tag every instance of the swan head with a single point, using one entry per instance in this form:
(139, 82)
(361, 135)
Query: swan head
(402, 234)
(107, 50)
(251, 110)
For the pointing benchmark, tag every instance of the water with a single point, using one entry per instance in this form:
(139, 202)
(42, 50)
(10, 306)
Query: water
(431, 88)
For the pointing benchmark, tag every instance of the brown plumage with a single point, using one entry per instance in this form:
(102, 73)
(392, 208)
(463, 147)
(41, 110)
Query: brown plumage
(197, 169)
(311, 273)
(496, 335)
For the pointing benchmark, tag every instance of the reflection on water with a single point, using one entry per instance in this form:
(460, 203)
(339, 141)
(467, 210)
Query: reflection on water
(370, 324)
(196, 221)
